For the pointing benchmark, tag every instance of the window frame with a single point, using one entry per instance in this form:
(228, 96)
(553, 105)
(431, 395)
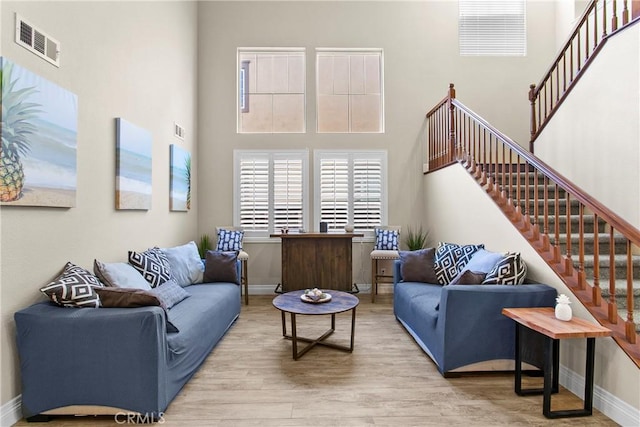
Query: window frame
(242, 67)
(360, 51)
(510, 44)
(270, 155)
(352, 155)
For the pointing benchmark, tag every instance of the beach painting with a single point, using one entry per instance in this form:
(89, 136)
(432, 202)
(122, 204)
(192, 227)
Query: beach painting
(38, 159)
(133, 166)
(180, 183)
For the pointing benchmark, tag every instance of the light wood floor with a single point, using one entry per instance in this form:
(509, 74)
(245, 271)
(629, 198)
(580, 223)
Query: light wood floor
(250, 379)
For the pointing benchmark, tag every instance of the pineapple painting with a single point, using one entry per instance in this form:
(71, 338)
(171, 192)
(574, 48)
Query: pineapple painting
(17, 126)
(39, 133)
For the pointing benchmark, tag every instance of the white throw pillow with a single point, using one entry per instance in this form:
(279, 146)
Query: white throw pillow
(186, 266)
(120, 275)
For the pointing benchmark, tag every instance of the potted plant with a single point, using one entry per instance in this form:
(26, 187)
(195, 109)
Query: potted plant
(204, 245)
(416, 238)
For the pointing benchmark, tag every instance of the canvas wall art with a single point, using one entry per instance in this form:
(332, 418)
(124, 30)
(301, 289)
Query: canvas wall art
(38, 160)
(133, 166)
(180, 183)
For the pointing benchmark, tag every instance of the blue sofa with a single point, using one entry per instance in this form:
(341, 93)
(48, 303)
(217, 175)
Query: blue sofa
(461, 327)
(110, 360)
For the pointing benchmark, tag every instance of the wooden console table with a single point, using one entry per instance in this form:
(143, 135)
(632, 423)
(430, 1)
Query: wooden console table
(543, 320)
(316, 260)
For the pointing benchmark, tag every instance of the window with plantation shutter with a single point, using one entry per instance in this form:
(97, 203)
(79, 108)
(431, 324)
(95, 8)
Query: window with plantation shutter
(350, 188)
(269, 189)
(492, 27)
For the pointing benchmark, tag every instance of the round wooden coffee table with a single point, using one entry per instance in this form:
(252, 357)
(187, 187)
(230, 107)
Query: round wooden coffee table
(292, 304)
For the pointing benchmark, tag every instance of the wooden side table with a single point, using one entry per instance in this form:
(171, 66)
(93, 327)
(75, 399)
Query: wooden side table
(543, 320)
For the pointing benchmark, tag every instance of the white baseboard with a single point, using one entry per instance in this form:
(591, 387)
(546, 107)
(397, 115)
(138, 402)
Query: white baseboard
(619, 411)
(11, 412)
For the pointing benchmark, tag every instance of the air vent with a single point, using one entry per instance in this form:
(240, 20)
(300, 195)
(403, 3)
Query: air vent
(37, 41)
(178, 131)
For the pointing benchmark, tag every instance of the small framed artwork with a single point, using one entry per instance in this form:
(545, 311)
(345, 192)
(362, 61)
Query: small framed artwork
(180, 181)
(133, 166)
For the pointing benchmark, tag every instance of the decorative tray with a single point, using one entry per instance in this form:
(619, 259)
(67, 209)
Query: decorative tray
(325, 298)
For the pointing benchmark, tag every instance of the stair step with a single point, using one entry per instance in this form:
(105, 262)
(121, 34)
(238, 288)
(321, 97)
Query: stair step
(620, 293)
(636, 319)
(620, 243)
(588, 223)
(620, 264)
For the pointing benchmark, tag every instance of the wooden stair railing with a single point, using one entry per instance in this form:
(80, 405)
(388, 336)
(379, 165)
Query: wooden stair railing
(553, 214)
(600, 20)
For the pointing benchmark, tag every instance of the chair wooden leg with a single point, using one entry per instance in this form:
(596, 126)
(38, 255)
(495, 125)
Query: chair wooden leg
(245, 282)
(374, 279)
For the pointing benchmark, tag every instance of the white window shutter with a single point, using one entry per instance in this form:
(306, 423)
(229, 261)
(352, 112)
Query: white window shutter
(254, 193)
(287, 193)
(334, 191)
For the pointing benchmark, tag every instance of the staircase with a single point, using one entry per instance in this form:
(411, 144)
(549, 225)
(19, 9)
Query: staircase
(595, 252)
(533, 185)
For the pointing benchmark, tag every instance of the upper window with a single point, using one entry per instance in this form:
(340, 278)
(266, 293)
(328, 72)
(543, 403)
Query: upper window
(350, 188)
(271, 90)
(349, 91)
(492, 27)
(270, 191)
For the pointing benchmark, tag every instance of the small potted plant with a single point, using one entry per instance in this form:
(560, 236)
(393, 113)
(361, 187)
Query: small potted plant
(416, 238)
(204, 245)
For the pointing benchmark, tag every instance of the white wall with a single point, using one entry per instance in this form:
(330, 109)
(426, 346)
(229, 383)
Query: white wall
(420, 42)
(135, 60)
(593, 137)
(475, 218)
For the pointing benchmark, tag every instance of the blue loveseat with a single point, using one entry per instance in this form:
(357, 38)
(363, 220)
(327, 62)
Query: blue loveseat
(461, 327)
(119, 361)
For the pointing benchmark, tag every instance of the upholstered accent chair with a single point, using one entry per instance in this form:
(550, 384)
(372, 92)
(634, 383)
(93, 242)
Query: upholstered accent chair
(386, 248)
(233, 241)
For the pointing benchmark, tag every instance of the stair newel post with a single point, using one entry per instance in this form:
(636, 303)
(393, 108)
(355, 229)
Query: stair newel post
(452, 123)
(582, 284)
(532, 100)
(612, 306)
(630, 326)
(596, 296)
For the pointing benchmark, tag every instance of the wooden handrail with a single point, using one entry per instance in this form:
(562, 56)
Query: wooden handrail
(499, 164)
(606, 214)
(574, 57)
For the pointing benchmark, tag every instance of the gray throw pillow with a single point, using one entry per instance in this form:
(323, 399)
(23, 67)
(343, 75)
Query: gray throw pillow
(185, 262)
(169, 293)
(221, 267)
(418, 266)
(120, 275)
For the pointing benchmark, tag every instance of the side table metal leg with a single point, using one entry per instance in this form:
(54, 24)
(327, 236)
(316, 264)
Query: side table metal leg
(556, 366)
(518, 357)
(548, 376)
(588, 383)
